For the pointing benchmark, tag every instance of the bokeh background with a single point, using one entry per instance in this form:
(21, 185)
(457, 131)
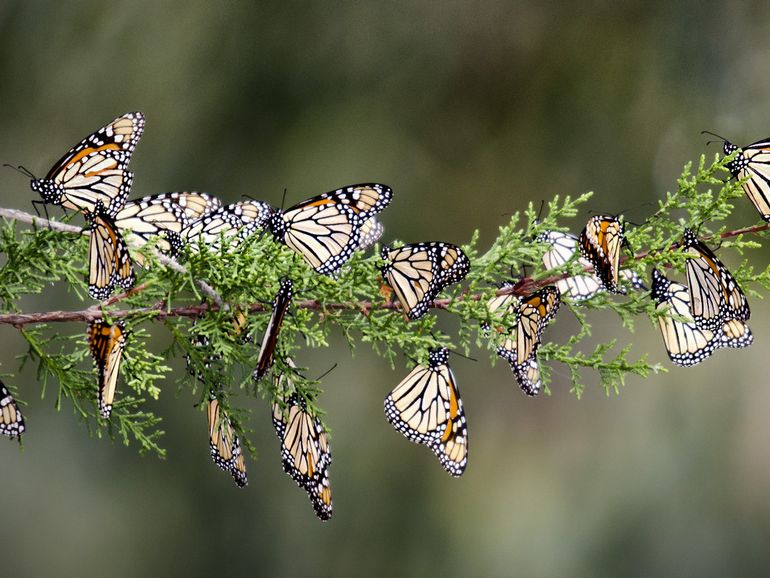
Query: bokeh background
(468, 110)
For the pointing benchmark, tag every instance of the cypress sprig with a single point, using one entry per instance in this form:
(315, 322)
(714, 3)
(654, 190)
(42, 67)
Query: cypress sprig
(197, 300)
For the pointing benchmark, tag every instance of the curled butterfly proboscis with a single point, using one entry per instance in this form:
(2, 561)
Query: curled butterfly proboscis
(326, 230)
(427, 409)
(224, 445)
(109, 262)
(520, 344)
(563, 247)
(106, 342)
(11, 420)
(686, 343)
(306, 453)
(95, 170)
(419, 272)
(715, 295)
(273, 329)
(600, 243)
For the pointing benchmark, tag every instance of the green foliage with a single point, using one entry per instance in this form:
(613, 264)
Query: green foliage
(221, 352)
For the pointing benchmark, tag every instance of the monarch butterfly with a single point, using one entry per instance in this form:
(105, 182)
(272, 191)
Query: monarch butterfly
(714, 293)
(427, 409)
(224, 444)
(752, 163)
(371, 231)
(326, 230)
(600, 243)
(577, 287)
(234, 222)
(166, 214)
(95, 169)
(305, 451)
(107, 343)
(418, 272)
(109, 261)
(519, 348)
(686, 343)
(153, 217)
(11, 420)
(270, 340)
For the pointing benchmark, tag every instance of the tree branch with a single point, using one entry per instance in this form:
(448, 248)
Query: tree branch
(523, 287)
(164, 260)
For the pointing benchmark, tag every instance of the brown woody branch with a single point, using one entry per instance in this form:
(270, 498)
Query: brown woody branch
(524, 286)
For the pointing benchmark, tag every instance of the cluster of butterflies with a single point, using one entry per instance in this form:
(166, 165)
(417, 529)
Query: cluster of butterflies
(325, 231)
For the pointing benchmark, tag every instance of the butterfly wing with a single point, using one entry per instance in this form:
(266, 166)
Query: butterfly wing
(224, 445)
(686, 343)
(305, 452)
(154, 216)
(326, 230)
(419, 272)
(371, 231)
(109, 262)
(270, 340)
(427, 409)
(600, 243)
(95, 169)
(11, 420)
(520, 347)
(752, 165)
(233, 223)
(715, 295)
(106, 343)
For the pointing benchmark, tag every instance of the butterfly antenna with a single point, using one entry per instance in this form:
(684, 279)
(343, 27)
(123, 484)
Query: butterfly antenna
(283, 198)
(723, 139)
(540, 211)
(21, 169)
(463, 355)
(325, 373)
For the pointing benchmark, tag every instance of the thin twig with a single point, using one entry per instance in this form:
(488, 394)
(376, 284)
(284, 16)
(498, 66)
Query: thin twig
(165, 260)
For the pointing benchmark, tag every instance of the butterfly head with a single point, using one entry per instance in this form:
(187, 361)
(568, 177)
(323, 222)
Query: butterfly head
(277, 224)
(50, 191)
(660, 286)
(438, 356)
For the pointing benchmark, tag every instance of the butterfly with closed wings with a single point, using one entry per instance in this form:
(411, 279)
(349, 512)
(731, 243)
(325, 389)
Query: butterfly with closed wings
(224, 444)
(520, 345)
(715, 295)
(686, 343)
(600, 243)
(106, 342)
(11, 420)
(305, 449)
(563, 247)
(420, 271)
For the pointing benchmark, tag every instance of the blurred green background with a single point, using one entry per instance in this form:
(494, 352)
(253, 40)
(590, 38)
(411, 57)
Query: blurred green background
(468, 110)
